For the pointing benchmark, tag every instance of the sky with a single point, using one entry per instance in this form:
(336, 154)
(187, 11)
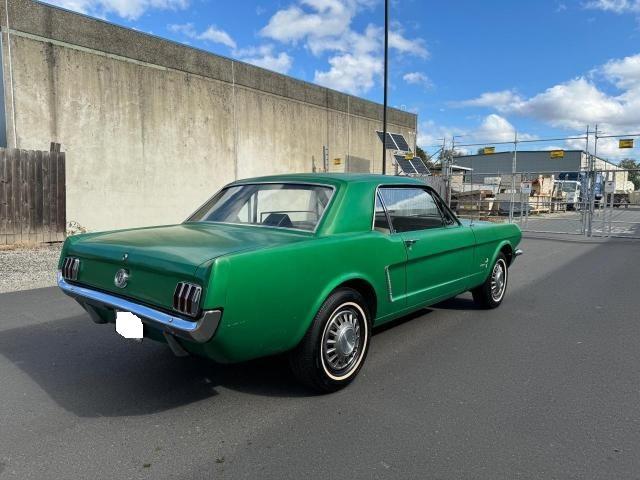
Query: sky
(476, 70)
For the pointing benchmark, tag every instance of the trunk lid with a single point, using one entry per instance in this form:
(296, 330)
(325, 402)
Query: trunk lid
(157, 258)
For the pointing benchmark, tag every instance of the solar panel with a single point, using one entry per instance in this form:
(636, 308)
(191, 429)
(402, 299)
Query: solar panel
(405, 165)
(420, 167)
(401, 142)
(389, 144)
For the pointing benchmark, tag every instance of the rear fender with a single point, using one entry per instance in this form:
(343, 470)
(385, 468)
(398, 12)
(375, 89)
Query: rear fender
(324, 294)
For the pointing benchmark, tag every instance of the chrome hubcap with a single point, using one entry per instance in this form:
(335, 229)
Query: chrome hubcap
(341, 342)
(498, 280)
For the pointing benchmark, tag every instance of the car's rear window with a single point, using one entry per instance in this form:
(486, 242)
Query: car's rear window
(280, 205)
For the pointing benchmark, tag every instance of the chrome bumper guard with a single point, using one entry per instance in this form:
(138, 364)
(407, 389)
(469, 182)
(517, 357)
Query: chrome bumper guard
(516, 254)
(199, 330)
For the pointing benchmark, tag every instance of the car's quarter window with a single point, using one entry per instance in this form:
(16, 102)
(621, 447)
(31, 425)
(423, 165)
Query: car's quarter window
(380, 219)
(411, 209)
(281, 205)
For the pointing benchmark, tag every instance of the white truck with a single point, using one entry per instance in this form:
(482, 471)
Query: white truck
(572, 189)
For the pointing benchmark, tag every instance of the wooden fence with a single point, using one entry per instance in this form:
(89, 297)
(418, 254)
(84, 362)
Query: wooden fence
(32, 196)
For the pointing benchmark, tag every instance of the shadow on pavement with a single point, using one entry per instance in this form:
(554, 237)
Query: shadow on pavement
(90, 371)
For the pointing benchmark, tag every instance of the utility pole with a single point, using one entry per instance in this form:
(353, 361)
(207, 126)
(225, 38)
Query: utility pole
(386, 78)
(514, 168)
(584, 186)
(592, 194)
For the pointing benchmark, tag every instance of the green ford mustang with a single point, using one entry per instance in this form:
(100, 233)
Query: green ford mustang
(305, 264)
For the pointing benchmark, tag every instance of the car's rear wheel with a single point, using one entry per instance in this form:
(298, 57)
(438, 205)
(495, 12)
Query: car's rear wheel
(491, 293)
(335, 347)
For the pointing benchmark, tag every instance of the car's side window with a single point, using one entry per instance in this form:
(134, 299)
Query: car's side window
(381, 221)
(447, 215)
(411, 209)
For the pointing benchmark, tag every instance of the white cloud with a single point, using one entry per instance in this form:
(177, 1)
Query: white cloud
(129, 9)
(350, 73)
(186, 29)
(417, 78)
(579, 102)
(327, 18)
(431, 135)
(215, 35)
(497, 100)
(615, 6)
(624, 73)
(492, 128)
(404, 45)
(572, 105)
(265, 57)
(211, 34)
(262, 56)
(325, 26)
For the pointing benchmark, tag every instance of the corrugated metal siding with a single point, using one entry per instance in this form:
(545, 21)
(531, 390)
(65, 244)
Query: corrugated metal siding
(501, 163)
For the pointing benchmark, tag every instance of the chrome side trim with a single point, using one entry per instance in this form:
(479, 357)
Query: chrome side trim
(200, 330)
(389, 288)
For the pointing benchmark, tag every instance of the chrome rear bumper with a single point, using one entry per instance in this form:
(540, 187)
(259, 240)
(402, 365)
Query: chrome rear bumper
(199, 330)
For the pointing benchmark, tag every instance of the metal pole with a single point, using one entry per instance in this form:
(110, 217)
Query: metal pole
(592, 199)
(583, 205)
(449, 170)
(11, 87)
(386, 80)
(513, 176)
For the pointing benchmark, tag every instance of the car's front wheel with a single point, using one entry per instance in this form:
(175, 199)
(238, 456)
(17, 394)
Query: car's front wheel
(491, 293)
(334, 348)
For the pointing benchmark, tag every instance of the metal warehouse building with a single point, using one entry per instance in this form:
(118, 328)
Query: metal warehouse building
(566, 167)
(531, 161)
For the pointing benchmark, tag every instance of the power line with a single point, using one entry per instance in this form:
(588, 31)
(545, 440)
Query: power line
(538, 140)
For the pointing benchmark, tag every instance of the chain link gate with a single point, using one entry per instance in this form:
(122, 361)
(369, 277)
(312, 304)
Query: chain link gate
(616, 212)
(592, 198)
(570, 203)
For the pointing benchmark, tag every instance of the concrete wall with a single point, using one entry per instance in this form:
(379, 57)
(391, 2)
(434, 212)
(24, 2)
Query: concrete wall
(152, 128)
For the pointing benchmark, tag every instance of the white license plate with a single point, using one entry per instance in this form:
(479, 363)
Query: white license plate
(128, 325)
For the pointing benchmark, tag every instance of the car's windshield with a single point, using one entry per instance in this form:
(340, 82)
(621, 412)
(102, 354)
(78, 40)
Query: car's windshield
(569, 187)
(281, 205)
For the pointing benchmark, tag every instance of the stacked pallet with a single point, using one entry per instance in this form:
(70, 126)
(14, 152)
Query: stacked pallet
(541, 194)
(475, 202)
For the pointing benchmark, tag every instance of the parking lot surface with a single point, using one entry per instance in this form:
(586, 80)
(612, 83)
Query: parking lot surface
(621, 222)
(546, 386)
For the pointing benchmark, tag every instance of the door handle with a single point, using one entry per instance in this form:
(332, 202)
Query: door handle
(410, 243)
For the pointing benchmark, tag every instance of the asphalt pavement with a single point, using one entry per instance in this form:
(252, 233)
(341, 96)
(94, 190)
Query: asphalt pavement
(547, 386)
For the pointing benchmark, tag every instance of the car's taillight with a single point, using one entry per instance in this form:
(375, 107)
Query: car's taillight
(70, 268)
(186, 298)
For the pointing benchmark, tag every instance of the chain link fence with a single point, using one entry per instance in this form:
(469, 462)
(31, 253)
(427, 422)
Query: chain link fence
(544, 190)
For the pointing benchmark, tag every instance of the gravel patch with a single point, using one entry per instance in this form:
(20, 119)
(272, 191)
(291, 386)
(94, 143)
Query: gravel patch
(25, 268)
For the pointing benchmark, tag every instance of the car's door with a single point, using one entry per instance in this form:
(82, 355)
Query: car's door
(439, 249)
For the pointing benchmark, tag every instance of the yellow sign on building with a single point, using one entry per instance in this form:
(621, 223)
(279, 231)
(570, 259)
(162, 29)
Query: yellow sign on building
(625, 143)
(556, 154)
(489, 150)
(408, 156)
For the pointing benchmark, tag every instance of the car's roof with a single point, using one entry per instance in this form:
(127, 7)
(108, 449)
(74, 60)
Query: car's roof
(334, 179)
